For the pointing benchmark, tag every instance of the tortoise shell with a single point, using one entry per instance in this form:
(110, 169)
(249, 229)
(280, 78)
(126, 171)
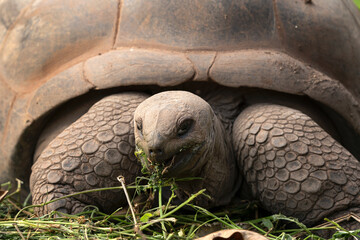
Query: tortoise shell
(54, 51)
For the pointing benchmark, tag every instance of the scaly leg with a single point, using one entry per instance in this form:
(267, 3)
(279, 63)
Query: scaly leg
(89, 154)
(293, 166)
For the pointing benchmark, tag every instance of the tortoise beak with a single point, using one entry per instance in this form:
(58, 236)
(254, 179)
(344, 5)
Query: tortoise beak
(156, 150)
(182, 163)
(156, 155)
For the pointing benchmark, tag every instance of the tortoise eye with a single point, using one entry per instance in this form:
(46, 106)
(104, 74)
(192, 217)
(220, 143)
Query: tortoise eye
(139, 126)
(184, 127)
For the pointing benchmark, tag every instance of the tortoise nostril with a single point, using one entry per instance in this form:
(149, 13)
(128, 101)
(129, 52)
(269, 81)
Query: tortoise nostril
(155, 152)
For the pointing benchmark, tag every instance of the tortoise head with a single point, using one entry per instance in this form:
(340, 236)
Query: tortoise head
(175, 130)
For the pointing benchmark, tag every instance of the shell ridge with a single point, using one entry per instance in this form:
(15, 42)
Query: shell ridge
(117, 23)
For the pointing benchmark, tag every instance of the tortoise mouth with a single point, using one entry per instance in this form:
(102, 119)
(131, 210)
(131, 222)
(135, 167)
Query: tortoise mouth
(183, 162)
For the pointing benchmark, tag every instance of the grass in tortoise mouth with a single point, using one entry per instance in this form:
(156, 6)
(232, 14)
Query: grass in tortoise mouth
(171, 165)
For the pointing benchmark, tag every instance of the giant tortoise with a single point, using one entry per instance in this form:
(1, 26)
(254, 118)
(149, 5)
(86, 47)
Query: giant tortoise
(258, 98)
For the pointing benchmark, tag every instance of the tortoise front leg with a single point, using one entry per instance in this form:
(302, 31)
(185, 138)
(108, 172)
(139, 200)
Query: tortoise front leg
(293, 166)
(89, 154)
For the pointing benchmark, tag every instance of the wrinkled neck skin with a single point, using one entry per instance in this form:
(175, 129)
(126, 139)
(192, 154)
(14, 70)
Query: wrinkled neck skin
(219, 173)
